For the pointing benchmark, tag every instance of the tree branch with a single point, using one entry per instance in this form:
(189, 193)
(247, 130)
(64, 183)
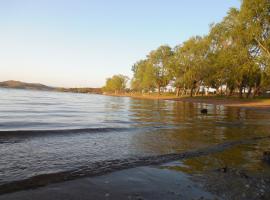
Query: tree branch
(263, 47)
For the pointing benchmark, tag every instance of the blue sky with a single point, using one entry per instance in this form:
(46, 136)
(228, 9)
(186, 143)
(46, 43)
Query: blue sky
(77, 43)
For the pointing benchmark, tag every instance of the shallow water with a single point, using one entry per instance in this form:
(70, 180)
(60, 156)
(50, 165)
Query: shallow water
(49, 132)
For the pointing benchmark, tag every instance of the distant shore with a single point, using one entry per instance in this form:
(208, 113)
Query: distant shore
(216, 100)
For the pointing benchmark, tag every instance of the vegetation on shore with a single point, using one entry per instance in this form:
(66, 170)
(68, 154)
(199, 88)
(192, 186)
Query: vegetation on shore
(233, 59)
(116, 84)
(81, 90)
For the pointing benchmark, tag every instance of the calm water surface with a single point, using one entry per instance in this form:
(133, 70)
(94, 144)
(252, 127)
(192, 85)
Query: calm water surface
(48, 132)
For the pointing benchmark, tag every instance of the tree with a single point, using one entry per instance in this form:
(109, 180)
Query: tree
(177, 70)
(143, 76)
(160, 61)
(235, 53)
(255, 20)
(116, 84)
(193, 57)
(255, 16)
(231, 52)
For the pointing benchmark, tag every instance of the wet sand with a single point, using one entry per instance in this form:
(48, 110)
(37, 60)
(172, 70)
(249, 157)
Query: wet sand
(140, 183)
(155, 183)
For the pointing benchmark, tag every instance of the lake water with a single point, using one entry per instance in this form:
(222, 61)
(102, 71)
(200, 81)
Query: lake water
(48, 133)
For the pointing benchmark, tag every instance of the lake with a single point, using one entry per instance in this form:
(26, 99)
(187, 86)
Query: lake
(44, 133)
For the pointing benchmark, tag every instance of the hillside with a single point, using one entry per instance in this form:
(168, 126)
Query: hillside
(38, 86)
(23, 85)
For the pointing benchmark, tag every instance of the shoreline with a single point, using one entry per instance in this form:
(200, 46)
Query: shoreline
(215, 100)
(105, 169)
(140, 183)
(158, 181)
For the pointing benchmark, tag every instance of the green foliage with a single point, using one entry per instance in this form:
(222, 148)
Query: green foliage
(235, 54)
(153, 72)
(144, 76)
(116, 84)
(160, 62)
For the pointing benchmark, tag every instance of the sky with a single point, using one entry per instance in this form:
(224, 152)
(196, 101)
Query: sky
(79, 43)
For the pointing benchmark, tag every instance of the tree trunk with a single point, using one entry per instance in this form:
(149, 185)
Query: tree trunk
(231, 89)
(256, 91)
(221, 90)
(191, 91)
(193, 87)
(249, 92)
(183, 92)
(197, 91)
(203, 91)
(226, 91)
(158, 90)
(241, 91)
(178, 92)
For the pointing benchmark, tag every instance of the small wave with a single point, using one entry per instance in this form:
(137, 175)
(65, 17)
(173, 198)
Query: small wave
(61, 131)
(103, 167)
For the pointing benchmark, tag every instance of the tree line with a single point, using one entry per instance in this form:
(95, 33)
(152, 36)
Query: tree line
(233, 58)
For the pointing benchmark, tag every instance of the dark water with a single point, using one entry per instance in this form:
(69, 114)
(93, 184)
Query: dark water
(48, 132)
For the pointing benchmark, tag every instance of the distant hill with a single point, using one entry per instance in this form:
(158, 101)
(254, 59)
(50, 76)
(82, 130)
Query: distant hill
(22, 85)
(38, 86)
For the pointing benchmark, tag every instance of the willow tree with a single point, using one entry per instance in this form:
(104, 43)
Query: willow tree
(143, 76)
(193, 57)
(255, 20)
(138, 70)
(177, 70)
(255, 16)
(159, 59)
(231, 53)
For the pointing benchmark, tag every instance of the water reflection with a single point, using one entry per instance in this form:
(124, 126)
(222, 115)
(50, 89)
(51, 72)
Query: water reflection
(187, 129)
(246, 157)
(153, 127)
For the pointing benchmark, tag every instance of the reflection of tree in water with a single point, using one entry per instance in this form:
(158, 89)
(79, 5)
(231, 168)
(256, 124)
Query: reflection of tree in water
(150, 112)
(183, 128)
(115, 108)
